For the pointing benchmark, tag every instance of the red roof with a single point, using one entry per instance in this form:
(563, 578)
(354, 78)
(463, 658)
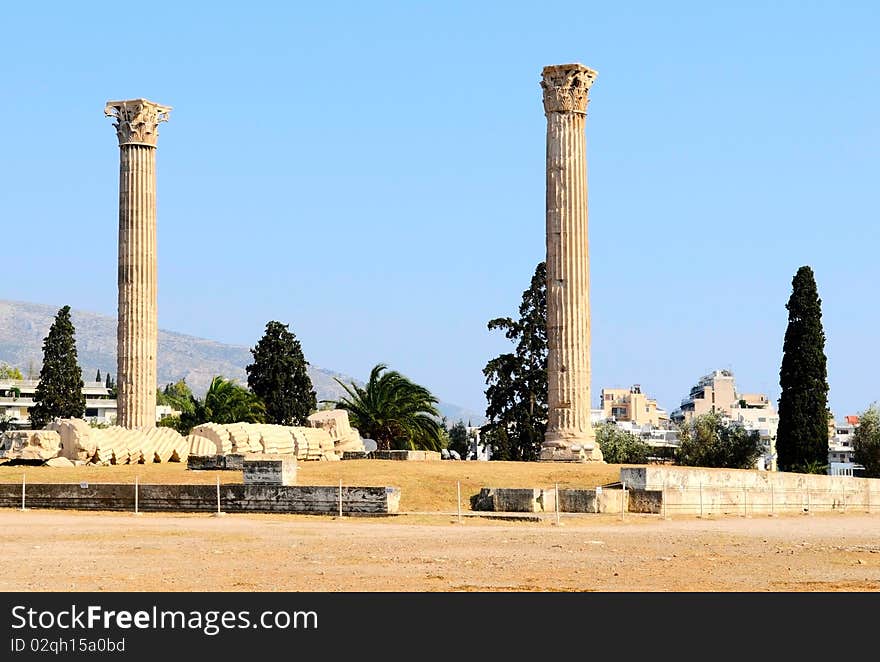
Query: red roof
(852, 420)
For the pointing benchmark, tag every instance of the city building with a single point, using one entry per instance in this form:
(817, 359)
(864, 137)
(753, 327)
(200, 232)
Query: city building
(476, 449)
(716, 393)
(630, 404)
(840, 449)
(17, 398)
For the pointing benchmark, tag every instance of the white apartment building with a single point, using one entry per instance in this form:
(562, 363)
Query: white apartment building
(17, 398)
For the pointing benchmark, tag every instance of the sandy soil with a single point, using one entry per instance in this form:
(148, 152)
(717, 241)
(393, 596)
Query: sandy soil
(67, 551)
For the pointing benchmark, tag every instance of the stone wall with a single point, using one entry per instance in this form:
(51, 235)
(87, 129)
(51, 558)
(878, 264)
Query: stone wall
(537, 500)
(268, 470)
(706, 492)
(231, 462)
(234, 498)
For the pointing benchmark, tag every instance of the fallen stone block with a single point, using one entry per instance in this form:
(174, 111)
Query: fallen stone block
(59, 462)
(216, 433)
(279, 470)
(78, 438)
(201, 446)
(30, 444)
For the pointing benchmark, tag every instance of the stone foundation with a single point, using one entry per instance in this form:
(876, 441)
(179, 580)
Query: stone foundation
(536, 500)
(234, 498)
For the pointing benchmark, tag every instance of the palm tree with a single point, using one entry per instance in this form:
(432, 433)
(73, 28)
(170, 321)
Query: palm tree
(225, 402)
(228, 402)
(394, 411)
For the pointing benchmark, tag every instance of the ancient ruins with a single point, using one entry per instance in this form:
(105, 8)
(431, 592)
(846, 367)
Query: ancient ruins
(570, 435)
(137, 122)
(79, 442)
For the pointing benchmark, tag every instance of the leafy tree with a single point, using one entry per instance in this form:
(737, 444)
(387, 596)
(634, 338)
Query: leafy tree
(802, 439)
(517, 382)
(706, 441)
(458, 439)
(444, 433)
(9, 372)
(866, 442)
(178, 396)
(60, 391)
(279, 378)
(6, 423)
(621, 447)
(224, 402)
(110, 385)
(394, 411)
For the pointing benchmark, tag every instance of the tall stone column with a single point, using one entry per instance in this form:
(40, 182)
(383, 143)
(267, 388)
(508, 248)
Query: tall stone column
(137, 122)
(570, 435)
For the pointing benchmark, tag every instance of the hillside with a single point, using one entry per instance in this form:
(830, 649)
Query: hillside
(24, 325)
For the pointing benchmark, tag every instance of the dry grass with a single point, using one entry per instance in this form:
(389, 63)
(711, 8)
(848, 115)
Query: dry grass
(425, 486)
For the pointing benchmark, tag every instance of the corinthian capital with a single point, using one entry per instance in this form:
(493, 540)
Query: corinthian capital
(565, 87)
(137, 120)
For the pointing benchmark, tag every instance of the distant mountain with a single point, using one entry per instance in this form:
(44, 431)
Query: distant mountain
(23, 326)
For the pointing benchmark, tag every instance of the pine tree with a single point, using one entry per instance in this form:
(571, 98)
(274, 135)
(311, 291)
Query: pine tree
(517, 383)
(60, 391)
(802, 437)
(98, 376)
(278, 377)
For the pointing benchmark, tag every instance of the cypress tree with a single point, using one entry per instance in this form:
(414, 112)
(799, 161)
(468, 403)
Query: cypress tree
(802, 438)
(516, 392)
(98, 376)
(279, 378)
(60, 391)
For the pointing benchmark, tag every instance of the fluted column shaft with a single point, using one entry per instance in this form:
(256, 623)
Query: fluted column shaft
(137, 329)
(568, 279)
(137, 122)
(570, 433)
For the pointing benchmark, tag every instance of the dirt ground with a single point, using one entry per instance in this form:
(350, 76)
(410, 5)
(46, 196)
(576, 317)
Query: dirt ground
(75, 551)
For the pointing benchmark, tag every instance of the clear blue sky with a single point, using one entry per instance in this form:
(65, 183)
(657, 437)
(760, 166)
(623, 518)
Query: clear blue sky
(373, 175)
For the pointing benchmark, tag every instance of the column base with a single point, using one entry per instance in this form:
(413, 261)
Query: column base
(554, 450)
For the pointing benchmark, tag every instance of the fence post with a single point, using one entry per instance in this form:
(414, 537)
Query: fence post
(772, 502)
(218, 497)
(23, 480)
(340, 498)
(556, 493)
(701, 499)
(867, 496)
(623, 501)
(663, 506)
(458, 502)
(136, 495)
(809, 501)
(844, 497)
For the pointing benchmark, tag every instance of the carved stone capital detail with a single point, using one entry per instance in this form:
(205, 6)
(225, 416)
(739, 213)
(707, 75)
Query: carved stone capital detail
(566, 87)
(137, 120)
